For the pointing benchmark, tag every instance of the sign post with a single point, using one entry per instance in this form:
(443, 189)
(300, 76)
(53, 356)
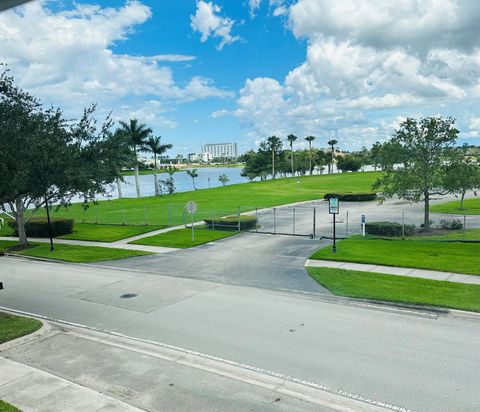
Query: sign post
(192, 208)
(333, 206)
(363, 225)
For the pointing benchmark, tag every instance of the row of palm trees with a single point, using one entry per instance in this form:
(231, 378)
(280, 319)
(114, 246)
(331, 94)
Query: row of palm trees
(140, 138)
(275, 144)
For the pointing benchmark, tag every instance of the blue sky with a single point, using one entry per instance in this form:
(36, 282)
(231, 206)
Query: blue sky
(241, 70)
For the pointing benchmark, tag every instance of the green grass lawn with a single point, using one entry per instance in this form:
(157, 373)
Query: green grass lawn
(401, 289)
(6, 229)
(6, 407)
(470, 234)
(73, 253)
(168, 210)
(107, 233)
(12, 327)
(470, 207)
(445, 256)
(182, 238)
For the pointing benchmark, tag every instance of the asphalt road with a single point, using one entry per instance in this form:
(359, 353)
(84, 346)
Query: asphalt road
(414, 361)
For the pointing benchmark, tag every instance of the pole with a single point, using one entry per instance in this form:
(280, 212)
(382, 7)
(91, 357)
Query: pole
(193, 230)
(314, 222)
(96, 214)
(347, 225)
(145, 214)
(123, 217)
(293, 220)
(334, 250)
(464, 225)
(238, 214)
(256, 216)
(274, 221)
(403, 225)
(52, 248)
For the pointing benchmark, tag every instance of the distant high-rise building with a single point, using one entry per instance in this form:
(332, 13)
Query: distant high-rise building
(221, 149)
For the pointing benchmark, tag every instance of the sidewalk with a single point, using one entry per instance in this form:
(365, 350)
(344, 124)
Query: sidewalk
(152, 377)
(399, 271)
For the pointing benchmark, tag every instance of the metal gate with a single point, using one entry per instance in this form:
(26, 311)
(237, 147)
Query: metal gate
(292, 221)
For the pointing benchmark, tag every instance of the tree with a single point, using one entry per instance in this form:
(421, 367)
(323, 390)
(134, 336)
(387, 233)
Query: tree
(137, 133)
(46, 159)
(349, 163)
(291, 138)
(375, 155)
(274, 144)
(169, 182)
(426, 146)
(154, 144)
(193, 174)
(462, 174)
(223, 179)
(310, 139)
(332, 144)
(257, 164)
(321, 158)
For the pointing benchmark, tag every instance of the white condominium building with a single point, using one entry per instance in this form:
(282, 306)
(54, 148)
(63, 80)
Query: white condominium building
(221, 149)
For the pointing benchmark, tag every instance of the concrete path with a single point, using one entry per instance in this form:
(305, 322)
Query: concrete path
(395, 270)
(144, 375)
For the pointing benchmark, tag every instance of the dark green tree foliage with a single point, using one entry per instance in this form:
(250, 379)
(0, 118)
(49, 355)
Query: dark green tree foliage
(45, 158)
(462, 174)
(349, 163)
(425, 148)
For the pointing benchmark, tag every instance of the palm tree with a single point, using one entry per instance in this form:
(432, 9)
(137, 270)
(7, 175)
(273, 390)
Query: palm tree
(310, 139)
(154, 144)
(274, 144)
(193, 174)
(136, 133)
(332, 144)
(291, 138)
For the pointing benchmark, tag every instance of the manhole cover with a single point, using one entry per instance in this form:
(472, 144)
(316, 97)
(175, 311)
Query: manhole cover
(128, 295)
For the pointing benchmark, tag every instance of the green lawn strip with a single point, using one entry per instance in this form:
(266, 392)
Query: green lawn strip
(182, 238)
(470, 234)
(73, 253)
(107, 233)
(169, 209)
(6, 229)
(402, 289)
(6, 407)
(470, 207)
(4, 244)
(444, 256)
(12, 327)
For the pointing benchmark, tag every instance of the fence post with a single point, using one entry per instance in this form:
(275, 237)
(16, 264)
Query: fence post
(123, 216)
(347, 224)
(145, 214)
(274, 220)
(256, 217)
(184, 218)
(464, 225)
(238, 214)
(314, 222)
(213, 221)
(96, 214)
(293, 220)
(84, 212)
(170, 215)
(403, 225)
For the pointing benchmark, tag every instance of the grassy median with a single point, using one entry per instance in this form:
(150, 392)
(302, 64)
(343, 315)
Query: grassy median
(107, 233)
(72, 253)
(456, 257)
(400, 289)
(12, 327)
(470, 207)
(6, 407)
(182, 238)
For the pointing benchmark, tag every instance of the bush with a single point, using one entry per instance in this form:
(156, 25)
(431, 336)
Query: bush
(231, 222)
(388, 229)
(352, 197)
(454, 224)
(38, 227)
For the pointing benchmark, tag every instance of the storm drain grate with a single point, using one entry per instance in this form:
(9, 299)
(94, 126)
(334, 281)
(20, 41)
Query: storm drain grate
(128, 295)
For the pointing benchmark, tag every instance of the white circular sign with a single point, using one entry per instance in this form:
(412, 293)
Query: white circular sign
(191, 207)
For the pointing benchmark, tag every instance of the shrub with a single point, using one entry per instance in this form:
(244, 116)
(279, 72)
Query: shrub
(231, 222)
(388, 229)
(38, 227)
(352, 197)
(454, 224)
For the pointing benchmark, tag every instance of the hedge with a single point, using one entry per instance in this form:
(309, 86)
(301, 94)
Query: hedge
(231, 222)
(388, 229)
(38, 227)
(352, 197)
